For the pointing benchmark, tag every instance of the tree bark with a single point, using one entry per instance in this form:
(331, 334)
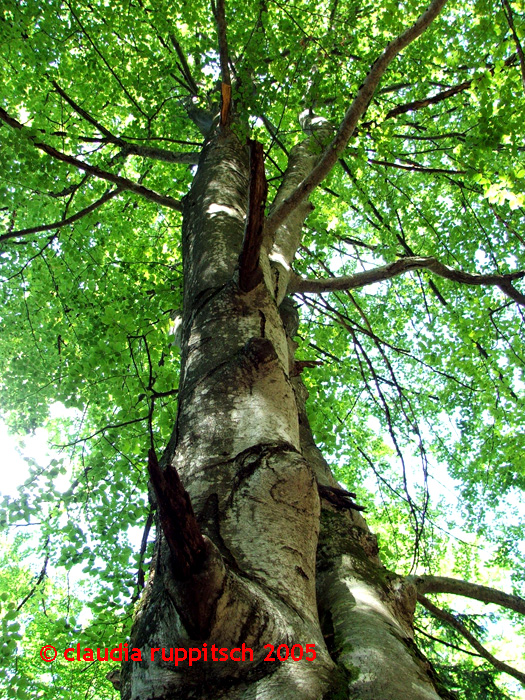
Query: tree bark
(279, 566)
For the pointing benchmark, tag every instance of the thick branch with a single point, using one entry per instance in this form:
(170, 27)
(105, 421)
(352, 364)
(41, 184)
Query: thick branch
(250, 273)
(121, 182)
(443, 584)
(427, 101)
(448, 617)
(352, 116)
(63, 222)
(179, 525)
(226, 87)
(399, 267)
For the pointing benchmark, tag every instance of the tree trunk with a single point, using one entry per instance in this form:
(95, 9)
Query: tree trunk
(280, 565)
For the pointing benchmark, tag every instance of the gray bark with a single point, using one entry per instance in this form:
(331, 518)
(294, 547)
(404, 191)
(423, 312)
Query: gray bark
(244, 450)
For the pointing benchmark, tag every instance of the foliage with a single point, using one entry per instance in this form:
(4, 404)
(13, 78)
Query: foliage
(48, 616)
(421, 381)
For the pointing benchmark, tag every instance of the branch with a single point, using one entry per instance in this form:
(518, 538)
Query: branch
(226, 86)
(110, 426)
(39, 580)
(399, 267)
(130, 148)
(448, 617)
(446, 644)
(142, 554)
(121, 182)
(435, 99)
(178, 521)
(427, 101)
(185, 69)
(519, 49)
(250, 273)
(340, 498)
(415, 168)
(64, 222)
(443, 584)
(352, 116)
(113, 73)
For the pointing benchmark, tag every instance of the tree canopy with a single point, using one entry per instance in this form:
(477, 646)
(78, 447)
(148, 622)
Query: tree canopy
(408, 279)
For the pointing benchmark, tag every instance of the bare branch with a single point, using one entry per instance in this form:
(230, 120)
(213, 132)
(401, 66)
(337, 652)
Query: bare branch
(226, 87)
(352, 116)
(457, 625)
(443, 584)
(399, 267)
(250, 273)
(121, 182)
(63, 222)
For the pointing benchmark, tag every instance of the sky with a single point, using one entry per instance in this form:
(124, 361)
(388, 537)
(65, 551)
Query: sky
(13, 468)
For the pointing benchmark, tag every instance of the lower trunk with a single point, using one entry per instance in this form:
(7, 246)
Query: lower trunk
(282, 568)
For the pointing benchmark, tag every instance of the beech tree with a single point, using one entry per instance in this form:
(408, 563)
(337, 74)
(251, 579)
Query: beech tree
(269, 257)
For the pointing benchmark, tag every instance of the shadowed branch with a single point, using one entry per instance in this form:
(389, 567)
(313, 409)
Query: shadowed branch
(121, 182)
(457, 625)
(64, 222)
(226, 87)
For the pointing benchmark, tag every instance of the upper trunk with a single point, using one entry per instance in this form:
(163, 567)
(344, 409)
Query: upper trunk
(244, 451)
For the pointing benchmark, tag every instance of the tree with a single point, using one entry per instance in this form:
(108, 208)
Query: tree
(236, 172)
